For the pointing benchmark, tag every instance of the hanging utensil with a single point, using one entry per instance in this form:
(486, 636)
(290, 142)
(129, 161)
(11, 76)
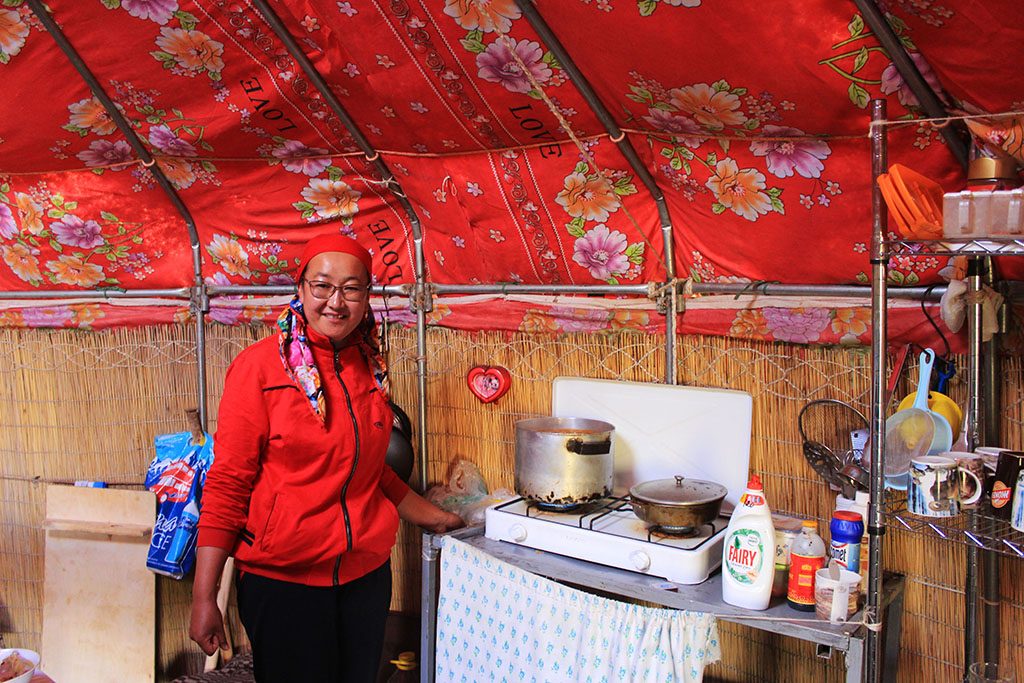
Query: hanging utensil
(826, 425)
(908, 435)
(942, 439)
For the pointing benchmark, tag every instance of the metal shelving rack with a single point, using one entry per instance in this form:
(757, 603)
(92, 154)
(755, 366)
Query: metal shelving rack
(987, 538)
(988, 246)
(980, 531)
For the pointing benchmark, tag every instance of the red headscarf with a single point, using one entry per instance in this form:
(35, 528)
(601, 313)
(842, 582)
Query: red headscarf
(334, 242)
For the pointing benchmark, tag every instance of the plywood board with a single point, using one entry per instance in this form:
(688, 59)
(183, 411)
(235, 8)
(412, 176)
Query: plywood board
(99, 603)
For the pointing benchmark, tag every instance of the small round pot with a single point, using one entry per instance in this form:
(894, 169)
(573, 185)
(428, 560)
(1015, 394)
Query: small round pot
(677, 504)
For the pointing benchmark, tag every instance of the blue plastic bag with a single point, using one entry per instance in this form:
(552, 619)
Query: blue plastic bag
(176, 476)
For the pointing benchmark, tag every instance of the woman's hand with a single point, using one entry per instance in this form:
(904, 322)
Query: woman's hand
(206, 623)
(206, 626)
(417, 510)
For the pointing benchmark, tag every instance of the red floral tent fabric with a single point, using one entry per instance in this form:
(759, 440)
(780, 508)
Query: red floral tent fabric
(751, 118)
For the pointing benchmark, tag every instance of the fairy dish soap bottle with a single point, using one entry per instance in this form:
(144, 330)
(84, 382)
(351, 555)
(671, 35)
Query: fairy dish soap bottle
(748, 557)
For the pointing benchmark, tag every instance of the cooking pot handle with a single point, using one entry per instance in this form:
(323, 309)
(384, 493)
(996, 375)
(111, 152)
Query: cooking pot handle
(589, 447)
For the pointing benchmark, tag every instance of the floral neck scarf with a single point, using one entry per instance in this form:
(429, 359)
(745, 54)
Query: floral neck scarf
(297, 356)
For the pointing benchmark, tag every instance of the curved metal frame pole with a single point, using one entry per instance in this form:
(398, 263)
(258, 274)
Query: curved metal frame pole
(421, 296)
(627, 150)
(200, 302)
(879, 338)
(373, 157)
(929, 101)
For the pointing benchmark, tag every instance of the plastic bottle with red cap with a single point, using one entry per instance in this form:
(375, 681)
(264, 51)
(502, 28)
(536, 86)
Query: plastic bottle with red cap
(748, 556)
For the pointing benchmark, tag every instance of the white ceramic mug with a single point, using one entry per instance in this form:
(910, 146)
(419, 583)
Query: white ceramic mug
(969, 463)
(990, 455)
(934, 487)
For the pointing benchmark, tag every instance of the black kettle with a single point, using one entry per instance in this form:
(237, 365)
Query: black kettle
(400, 455)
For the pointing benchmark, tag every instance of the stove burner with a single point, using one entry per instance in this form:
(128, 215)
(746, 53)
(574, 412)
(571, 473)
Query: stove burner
(556, 507)
(664, 531)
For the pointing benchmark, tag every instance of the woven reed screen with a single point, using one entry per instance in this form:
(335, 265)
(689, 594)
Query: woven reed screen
(78, 405)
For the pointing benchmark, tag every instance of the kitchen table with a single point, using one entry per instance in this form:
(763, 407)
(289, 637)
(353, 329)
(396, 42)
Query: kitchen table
(848, 638)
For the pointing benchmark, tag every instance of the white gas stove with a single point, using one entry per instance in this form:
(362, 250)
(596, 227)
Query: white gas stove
(607, 532)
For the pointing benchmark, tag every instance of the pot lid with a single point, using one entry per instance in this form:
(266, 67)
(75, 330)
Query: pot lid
(678, 491)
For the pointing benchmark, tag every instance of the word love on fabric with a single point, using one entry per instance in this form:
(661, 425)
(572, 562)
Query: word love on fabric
(489, 383)
(539, 130)
(254, 91)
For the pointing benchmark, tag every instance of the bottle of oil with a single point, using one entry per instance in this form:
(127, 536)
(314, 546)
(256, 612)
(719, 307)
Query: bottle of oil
(806, 558)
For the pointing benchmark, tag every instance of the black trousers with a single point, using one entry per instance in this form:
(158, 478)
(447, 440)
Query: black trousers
(313, 634)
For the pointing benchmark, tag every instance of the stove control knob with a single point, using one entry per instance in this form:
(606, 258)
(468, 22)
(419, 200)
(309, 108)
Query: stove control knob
(518, 533)
(640, 560)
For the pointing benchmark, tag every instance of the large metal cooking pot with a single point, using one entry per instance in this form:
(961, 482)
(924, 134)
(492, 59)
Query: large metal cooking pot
(563, 461)
(678, 504)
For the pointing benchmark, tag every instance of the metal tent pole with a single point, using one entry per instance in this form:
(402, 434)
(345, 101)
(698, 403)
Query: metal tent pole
(879, 333)
(975, 437)
(989, 433)
(626, 148)
(929, 101)
(421, 297)
(200, 303)
(372, 157)
(933, 293)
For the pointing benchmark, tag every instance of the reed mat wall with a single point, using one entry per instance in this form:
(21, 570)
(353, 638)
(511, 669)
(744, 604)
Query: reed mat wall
(86, 405)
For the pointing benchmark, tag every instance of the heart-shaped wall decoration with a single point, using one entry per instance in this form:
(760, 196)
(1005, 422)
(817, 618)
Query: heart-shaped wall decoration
(489, 383)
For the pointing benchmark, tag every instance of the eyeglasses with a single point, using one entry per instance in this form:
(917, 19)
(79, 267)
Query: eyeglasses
(325, 290)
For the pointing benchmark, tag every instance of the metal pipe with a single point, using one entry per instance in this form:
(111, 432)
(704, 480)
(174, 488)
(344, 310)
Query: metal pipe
(991, 433)
(179, 293)
(975, 437)
(422, 302)
(428, 608)
(761, 289)
(552, 42)
(879, 334)
(372, 157)
(754, 289)
(288, 290)
(926, 97)
(149, 162)
(200, 307)
(318, 81)
(639, 291)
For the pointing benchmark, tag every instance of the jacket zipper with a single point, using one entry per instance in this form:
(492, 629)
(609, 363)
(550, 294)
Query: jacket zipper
(355, 461)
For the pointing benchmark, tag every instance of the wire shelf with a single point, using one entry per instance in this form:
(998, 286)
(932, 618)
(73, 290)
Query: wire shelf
(970, 527)
(959, 247)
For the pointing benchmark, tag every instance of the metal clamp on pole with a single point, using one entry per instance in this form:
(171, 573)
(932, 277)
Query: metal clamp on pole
(421, 297)
(199, 300)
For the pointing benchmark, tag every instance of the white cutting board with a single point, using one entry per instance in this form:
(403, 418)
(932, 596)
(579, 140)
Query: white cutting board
(663, 430)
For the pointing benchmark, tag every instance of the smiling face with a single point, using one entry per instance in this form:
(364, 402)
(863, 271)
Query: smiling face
(335, 317)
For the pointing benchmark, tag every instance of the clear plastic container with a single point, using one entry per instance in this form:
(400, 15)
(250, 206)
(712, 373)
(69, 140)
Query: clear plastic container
(972, 214)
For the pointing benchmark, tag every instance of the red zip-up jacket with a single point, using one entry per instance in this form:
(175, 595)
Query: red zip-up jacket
(290, 497)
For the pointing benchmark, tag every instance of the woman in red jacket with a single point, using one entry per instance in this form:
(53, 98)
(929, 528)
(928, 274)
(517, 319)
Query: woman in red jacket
(299, 492)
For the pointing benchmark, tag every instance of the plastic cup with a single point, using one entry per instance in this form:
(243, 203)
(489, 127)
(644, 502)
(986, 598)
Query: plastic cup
(831, 595)
(988, 672)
